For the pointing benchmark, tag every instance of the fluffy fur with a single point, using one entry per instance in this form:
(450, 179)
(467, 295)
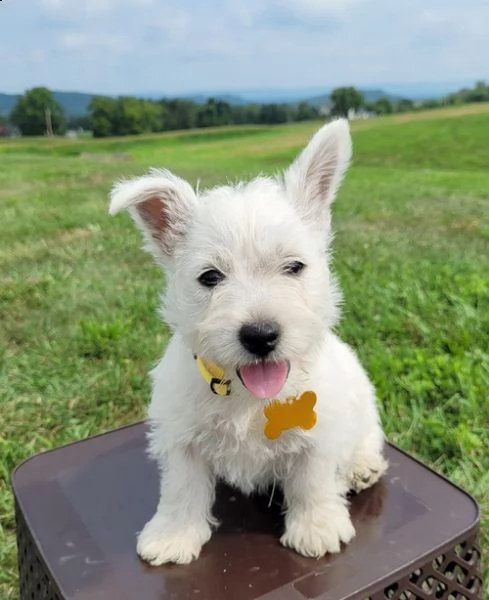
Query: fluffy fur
(250, 233)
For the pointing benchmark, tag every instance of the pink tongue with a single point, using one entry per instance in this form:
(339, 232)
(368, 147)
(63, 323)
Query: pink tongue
(264, 380)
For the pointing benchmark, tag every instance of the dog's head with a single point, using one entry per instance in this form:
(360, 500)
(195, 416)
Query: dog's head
(248, 283)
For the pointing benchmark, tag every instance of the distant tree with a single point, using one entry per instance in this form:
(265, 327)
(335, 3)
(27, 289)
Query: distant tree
(128, 117)
(432, 103)
(103, 116)
(455, 99)
(479, 93)
(305, 112)
(152, 116)
(238, 114)
(214, 113)
(29, 113)
(178, 114)
(224, 114)
(205, 115)
(252, 113)
(404, 105)
(124, 116)
(344, 99)
(134, 116)
(272, 114)
(78, 122)
(382, 106)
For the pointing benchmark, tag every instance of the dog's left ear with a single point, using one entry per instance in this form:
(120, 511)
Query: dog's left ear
(313, 179)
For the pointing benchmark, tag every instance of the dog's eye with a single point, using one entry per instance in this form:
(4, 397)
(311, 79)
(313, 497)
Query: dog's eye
(294, 267)
(211, 278)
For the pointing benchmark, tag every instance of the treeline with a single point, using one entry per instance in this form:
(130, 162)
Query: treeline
(350, 102)
(38, 113)
(346, 100)
(129, 116)
(479, 93)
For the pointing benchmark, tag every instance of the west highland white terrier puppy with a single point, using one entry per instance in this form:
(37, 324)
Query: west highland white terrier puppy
(254, 387)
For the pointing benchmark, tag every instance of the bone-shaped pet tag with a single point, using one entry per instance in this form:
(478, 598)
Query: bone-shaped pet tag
(295, 412)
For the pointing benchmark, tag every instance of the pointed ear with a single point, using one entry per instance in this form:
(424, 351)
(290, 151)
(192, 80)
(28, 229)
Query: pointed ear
(313, 179)
(161, 204)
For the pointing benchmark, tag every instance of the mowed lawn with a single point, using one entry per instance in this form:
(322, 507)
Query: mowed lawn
(78, 298)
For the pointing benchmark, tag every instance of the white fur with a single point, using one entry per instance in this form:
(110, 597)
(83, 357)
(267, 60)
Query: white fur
(250, 232)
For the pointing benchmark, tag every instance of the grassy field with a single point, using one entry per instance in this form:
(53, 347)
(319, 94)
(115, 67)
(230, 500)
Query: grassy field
(78, 299)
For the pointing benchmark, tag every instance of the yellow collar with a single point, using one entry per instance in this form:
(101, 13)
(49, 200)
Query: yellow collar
(214, 376)
(281, 416)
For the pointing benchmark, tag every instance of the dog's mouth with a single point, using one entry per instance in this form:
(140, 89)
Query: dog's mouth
(264, 379)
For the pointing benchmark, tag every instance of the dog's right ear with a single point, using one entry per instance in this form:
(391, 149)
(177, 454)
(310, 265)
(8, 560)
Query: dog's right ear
(161, 204)
(314, 177)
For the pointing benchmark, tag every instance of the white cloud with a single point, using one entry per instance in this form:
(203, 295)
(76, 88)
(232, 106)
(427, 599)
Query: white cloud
(52, 4)
(457, 19)
(37, 56)
(174, 26)
(72, 40)
(93, 43)
(302, 11)
(317, 9)
(77, 8)
(244, 12)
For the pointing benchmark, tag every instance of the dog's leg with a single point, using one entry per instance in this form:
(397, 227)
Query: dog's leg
(182, 523)
(317, 519)
(368, 464)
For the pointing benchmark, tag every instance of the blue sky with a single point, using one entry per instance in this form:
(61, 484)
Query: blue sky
(171, 46)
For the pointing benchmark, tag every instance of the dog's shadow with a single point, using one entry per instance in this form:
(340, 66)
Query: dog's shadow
(257, 513)
(264, 512)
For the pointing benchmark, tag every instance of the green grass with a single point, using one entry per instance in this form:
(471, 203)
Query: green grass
(78, 299)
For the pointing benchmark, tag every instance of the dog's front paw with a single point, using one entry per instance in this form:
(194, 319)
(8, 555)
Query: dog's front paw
(315, 535)
(162, 542)
(366, 470)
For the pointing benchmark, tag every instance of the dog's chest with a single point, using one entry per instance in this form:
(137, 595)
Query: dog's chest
(235, 444)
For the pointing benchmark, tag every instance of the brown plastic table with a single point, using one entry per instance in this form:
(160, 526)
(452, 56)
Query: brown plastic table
(79, 508)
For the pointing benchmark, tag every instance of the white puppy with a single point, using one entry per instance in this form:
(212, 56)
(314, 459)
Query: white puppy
(253, 305)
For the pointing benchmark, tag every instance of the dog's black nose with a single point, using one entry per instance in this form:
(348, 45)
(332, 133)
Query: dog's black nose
(259, 338)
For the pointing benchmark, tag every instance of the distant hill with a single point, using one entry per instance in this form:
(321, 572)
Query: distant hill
(425, 91)
(7, 102)
(202, 98)
(74, 103)
(280, 97)
(369, 95)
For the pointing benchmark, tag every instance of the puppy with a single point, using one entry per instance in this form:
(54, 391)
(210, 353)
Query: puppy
(253, 304)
